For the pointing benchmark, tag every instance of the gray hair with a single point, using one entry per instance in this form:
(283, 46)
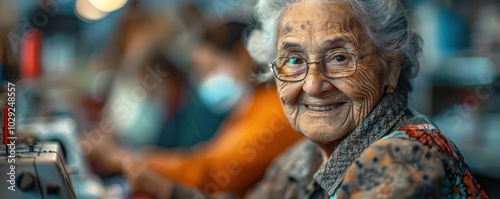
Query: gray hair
(386, 22)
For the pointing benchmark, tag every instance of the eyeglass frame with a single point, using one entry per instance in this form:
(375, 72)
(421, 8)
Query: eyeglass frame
(357, 59)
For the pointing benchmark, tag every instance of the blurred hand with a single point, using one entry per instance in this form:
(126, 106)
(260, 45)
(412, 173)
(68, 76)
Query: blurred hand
(142, 179)
(102, 151)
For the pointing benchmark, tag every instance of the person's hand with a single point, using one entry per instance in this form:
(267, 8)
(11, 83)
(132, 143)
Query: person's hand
(142, 179)
(101, 150)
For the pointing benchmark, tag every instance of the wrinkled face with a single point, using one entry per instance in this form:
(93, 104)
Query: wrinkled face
(324, 109)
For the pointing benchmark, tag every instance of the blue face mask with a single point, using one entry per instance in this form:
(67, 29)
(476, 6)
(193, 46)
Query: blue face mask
(220, 92)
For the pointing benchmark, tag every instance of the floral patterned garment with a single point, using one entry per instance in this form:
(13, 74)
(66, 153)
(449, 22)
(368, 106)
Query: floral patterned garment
(410, 163)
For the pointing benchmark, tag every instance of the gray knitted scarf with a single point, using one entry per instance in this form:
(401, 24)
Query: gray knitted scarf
(382, 119)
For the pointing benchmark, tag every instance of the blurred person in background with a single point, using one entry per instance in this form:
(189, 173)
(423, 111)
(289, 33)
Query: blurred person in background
(149, 98)
(140, 95)
(253, 133)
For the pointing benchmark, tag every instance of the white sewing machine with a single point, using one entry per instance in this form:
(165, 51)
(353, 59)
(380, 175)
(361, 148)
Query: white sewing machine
(38, 172)
(53, 168)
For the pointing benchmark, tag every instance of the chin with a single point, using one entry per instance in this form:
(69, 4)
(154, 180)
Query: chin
(324, 135)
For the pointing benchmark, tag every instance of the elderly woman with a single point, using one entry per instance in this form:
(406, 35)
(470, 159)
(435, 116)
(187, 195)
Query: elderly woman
(342, 71)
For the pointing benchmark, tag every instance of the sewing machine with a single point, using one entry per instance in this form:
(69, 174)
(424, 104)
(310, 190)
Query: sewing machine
(36, 171)
(47, 165)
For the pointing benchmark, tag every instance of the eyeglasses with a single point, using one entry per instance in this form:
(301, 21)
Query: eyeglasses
(333, 64)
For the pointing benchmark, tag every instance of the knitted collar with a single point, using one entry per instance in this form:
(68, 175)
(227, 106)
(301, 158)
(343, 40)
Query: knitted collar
(380, 121)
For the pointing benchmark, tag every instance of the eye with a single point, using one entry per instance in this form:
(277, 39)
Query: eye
(295, 61)
(336, 58)
(339, 58)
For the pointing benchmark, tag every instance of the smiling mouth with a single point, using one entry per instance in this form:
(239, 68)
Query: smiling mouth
(324, 108)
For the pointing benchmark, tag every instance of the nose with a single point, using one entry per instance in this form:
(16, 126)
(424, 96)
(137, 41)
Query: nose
(316, 83)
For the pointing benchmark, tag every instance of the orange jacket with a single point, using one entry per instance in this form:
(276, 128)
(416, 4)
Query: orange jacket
(238, 154)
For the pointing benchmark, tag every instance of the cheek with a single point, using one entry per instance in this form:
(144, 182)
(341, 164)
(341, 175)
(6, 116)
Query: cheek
(365, 86)
(288, 92)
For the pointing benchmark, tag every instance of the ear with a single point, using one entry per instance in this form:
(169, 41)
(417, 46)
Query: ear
(395, 66)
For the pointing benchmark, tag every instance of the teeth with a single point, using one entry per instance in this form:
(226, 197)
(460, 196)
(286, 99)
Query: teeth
(323, 108)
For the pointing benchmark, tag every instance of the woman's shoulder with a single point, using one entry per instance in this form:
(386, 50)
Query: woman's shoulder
(416, 161)
(304, 155)
(394, 167)
(418, 132)
(290, 173)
